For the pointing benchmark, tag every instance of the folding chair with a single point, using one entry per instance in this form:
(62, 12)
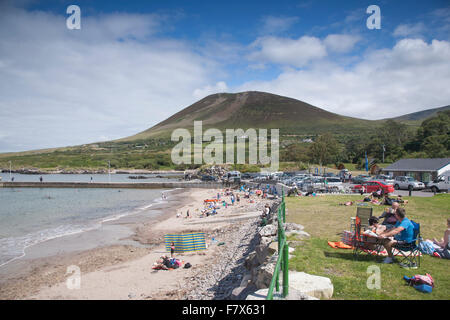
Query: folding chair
(410, 253)
(364, 214)
(364, 243)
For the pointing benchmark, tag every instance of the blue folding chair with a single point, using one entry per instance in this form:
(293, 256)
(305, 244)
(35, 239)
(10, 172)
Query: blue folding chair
(410, 253)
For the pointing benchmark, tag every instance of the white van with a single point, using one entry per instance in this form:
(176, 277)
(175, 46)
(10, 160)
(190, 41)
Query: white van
(441, 183)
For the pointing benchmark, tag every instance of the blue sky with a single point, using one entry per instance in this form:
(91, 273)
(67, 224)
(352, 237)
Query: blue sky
(134, 63)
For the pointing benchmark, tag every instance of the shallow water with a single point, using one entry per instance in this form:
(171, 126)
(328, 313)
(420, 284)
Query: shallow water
(32, 215)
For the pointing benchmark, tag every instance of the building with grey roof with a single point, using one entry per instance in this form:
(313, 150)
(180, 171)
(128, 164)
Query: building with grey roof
(424, 170)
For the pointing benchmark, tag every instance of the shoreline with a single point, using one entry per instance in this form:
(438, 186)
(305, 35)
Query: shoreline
(44, 278)
(113, 234)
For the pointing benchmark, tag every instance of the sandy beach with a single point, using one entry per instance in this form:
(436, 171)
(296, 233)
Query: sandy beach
(124, 270)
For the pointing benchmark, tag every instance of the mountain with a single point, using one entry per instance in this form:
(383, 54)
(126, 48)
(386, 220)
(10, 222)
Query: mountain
(150, 149)
(420, 115)
(255, 109)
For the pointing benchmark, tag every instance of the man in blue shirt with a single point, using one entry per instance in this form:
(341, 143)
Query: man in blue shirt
(403, 232)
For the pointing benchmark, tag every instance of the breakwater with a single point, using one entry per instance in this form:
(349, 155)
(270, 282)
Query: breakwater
(117, 185)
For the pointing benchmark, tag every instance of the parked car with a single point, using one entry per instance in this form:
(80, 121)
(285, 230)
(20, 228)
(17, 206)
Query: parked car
(330, 174)
(233, 176)
(208, 178)
(441, 183)
(372, 186)
(408, 183)
(362, 178)
(333, 183)
(384, 178)
(313, 183)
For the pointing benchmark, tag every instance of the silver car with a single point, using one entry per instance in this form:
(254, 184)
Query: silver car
(408, 183)
(384, 178)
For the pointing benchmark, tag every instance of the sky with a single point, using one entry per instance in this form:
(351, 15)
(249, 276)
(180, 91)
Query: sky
(133, 64)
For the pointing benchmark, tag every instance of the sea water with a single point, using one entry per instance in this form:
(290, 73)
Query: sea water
(32, 215)
(151, 177)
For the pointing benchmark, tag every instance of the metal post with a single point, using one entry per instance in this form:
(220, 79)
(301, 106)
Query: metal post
(10, 178)
(285, 270)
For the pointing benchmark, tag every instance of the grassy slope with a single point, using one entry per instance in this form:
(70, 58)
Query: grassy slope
(325, 219)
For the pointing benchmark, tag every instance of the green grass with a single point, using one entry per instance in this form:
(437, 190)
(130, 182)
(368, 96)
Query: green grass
(324, 219)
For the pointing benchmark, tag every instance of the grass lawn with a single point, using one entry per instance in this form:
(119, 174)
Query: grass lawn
(324, 219)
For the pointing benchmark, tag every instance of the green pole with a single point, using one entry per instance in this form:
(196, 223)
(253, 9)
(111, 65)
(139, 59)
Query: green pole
(279, 246)
(285, 270)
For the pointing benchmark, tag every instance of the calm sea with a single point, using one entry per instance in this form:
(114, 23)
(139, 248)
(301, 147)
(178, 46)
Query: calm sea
(32, 215)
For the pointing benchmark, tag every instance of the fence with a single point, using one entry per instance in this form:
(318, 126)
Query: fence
(283, 256)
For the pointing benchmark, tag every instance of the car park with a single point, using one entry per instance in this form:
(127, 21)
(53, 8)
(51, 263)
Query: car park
(407, 183)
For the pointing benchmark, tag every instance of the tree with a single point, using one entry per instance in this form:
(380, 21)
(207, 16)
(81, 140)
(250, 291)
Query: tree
(325, 150)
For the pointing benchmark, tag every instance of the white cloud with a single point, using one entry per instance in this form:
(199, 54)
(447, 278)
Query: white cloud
(295, 52)
(275, 25)
(412, 76)
(340, 42)
(66, 87)
(410, 30)
(219, 87)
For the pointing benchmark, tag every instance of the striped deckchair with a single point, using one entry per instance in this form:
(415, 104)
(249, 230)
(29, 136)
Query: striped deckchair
(186, 242)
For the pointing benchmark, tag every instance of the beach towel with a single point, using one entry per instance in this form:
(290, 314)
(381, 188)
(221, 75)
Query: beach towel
(339, 245)
(427, 247)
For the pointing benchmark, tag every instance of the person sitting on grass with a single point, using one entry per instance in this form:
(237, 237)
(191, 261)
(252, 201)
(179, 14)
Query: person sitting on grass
(444, 243)
(402, 233)
(400, 199)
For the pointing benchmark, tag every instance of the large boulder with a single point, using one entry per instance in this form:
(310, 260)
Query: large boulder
(262, 275)
(299, 234)
(261, 294)
(290, 226)
(268, 231)
(251, 261)
(265, 241)
(315, 286)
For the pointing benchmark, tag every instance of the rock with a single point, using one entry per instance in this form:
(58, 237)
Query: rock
(298, 234)
(262, 252)
(268, 231)
(315, 286)
(260, 295)
(251, 261)
(273, 247)
(265, 241)
(293, 295)
(263, 274)
(289, 226)
(246, 280)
